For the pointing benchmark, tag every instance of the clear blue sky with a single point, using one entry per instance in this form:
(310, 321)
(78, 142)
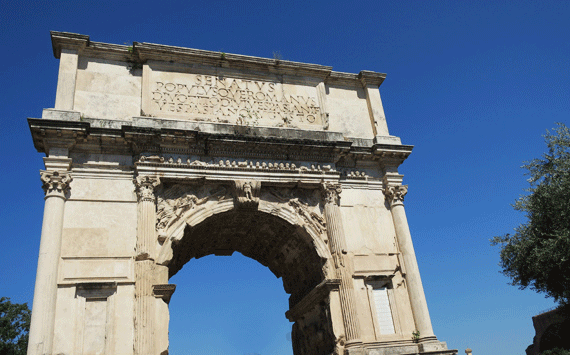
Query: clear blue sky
(473, 85)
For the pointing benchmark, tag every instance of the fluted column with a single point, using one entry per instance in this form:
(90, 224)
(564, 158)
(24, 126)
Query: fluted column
(395, 196)
(342, 264)
(144, 264)
(55, 185)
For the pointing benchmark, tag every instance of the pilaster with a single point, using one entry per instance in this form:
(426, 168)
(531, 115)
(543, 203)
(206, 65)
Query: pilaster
(66, 47)
(343, 266)
(65, 94)
(144, 264)
(371, 82)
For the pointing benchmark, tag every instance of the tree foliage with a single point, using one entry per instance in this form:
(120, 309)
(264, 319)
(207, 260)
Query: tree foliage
(14, 327)
(537, 255)
(557, 351)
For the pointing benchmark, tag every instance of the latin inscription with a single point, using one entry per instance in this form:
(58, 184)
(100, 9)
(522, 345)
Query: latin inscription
(234, 100)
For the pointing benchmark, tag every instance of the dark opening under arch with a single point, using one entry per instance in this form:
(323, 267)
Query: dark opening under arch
(287, 250)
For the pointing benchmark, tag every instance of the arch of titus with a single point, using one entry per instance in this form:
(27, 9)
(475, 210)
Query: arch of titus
(157, 154)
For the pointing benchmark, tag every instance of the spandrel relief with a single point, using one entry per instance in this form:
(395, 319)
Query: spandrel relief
(305, 203)
(175, 202)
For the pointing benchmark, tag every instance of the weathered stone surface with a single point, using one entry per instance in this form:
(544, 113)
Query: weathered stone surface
(158, 154)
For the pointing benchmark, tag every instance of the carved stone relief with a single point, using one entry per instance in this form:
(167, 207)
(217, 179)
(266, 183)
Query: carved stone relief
(247, 194)
(55, 182)
(226, 164)
(395, 194)
(263, 240)
(145, 186)
(306, 204)
(176, 201)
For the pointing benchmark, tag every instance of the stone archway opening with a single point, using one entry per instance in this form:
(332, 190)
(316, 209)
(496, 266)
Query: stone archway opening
(285, 249)
(265, 238)
(228, 305)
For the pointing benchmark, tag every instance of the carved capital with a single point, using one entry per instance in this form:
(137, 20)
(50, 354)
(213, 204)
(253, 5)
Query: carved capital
(395, 194)
(55, 183)
(331, 193)
(247, 193)
(164, 291)
(144, 186)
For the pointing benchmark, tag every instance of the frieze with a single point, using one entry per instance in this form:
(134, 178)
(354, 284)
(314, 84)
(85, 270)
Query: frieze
(227, 164)
(354, 174)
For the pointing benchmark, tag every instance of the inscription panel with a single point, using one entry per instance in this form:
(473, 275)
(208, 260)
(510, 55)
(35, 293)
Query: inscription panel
(231, 98)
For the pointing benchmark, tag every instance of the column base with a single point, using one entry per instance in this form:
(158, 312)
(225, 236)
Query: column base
(354, 347)
(431, 347)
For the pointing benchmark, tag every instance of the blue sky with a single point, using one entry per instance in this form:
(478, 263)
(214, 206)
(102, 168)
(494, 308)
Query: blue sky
(473, 85)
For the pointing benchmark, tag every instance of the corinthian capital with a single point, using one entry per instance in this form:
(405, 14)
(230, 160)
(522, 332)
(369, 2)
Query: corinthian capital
(55, 182)
(144, 186)
(330, 192)
(395, 194)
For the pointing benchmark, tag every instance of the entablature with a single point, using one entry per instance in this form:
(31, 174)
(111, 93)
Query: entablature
(145, 136)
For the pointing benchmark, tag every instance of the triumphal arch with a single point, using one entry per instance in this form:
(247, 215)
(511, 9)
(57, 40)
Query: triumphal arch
(157, 154)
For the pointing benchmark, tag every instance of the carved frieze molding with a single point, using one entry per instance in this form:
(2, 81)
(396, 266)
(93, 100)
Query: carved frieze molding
(354, 174)
(239, 165)
(225, 172)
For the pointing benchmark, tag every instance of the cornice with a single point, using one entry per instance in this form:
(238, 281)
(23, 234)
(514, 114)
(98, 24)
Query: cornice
(141, 52)
(214, 140)
(110, 51)
(67, 40)
(159, 52)
(371, 78)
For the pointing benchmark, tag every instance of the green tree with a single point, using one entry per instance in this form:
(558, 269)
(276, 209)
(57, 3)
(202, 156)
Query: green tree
(556, 351)
(14, 327)
(537, 255)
